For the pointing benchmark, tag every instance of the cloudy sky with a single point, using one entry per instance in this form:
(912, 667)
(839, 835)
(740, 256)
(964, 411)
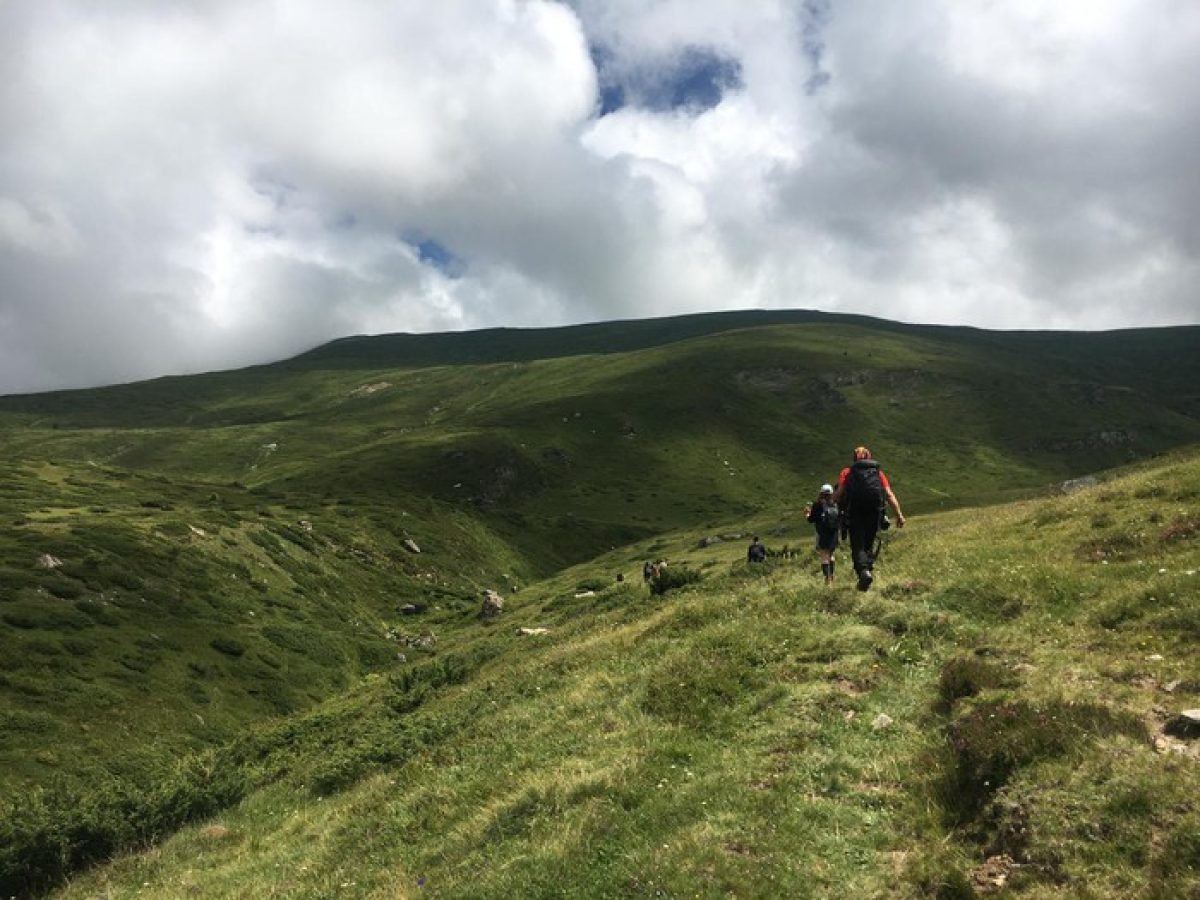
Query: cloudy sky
(198, 184)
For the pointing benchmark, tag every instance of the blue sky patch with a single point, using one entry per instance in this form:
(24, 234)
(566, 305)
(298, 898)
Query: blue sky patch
(697, 81)
(693, 80)
(432, 253)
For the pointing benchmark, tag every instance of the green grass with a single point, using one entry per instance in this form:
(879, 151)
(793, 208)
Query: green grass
(222, 643)
(720, 739)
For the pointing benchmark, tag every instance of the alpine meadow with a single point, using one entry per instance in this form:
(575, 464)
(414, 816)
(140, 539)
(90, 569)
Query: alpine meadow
(244, 650)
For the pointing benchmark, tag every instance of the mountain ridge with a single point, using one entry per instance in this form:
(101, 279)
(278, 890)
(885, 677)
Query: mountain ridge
(235, 550)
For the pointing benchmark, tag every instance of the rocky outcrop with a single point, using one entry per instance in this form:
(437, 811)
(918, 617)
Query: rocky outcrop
(493, 605)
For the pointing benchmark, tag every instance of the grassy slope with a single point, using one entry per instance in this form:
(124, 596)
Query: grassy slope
(193, 600)
(500, 472)
(720, 741)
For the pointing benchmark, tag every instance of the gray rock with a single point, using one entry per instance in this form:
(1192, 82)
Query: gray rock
(46, 561)
(882, 721)
(493, 605)
(411, 546)
(409, 609)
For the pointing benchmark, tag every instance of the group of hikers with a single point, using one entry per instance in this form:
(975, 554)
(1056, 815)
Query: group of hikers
(856, 510)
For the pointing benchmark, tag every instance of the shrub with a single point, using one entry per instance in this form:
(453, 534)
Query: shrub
(97, 612)
(63, 588)
(228, 646)
(671, 579)
(966, 676)
(54, 618)
(318, 648)
(992, 741)
(45, 836)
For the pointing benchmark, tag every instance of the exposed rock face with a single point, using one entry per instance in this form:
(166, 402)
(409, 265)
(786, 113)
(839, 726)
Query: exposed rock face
(411, 546)
(527, 632)
(46, 561)
(493, 605)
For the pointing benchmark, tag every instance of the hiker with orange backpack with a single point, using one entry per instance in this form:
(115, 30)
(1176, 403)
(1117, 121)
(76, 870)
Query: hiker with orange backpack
(862, 492)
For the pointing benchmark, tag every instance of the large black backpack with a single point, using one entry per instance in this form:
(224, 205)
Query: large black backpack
(864, 489)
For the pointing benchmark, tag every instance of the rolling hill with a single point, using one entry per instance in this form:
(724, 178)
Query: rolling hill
(202, 578)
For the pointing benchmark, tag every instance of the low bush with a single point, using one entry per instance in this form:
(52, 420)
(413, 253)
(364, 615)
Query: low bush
(966, 676)
(47, 835)
(63, 588)
(672, 579)
(990, 742)
(228, 646)
(306, 642)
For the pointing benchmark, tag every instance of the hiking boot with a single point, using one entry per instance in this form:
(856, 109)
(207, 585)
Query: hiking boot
(864, 580)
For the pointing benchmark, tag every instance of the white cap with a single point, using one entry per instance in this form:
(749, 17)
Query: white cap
(827, 489)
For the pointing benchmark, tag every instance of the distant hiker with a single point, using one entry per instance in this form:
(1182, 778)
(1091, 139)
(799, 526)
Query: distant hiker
(861, 493)
(823, 513)
(756, 552)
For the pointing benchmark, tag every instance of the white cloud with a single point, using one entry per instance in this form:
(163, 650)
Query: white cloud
(192, 185)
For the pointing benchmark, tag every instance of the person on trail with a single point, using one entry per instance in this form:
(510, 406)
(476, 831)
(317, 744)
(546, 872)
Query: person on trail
(756, 552)
(861, 493)
(823, 513)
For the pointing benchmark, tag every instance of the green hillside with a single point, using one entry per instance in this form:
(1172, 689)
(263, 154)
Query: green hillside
(727, 739)
(265, 583)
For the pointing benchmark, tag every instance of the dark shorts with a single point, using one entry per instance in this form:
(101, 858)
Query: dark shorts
(827, 541)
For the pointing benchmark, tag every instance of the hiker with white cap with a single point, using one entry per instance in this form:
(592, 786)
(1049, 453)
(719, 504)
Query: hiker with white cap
(823, 513)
